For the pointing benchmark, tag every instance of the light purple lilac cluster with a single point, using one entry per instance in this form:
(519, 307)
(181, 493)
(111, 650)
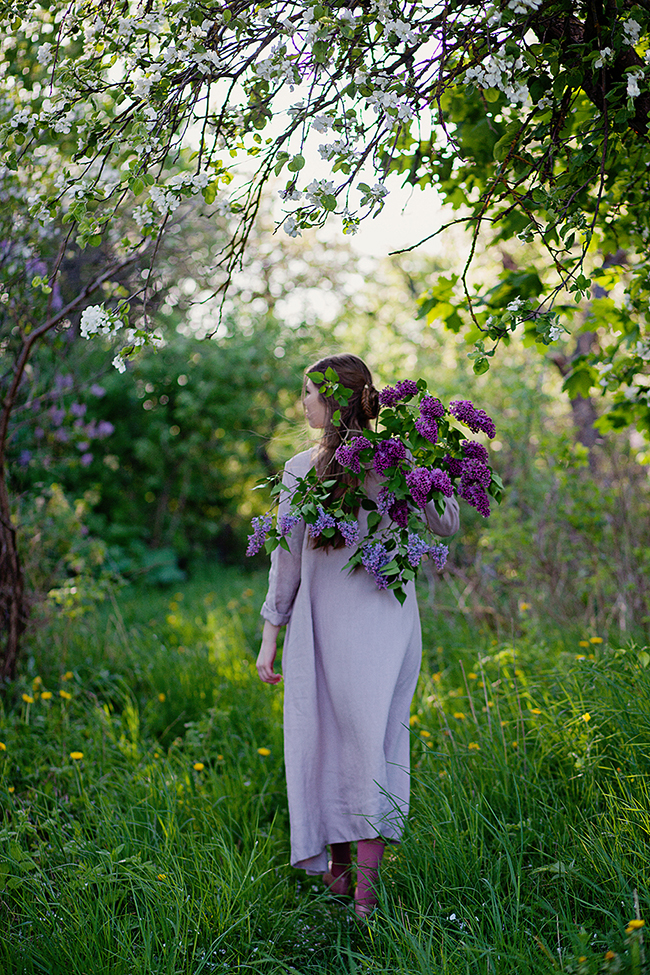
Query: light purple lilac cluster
(385, 501)
(438, 554)
(348, 453)
(417, 548)
(261, 527)
(373, 558)
(323, 521)
(388, 454)
(477, 420)
(431, 409)
(286, 523)
(422, 480)
(350, 531)
(390, 395)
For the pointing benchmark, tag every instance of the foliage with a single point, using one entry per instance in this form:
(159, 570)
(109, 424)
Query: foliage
(144, 822)
(530, 116)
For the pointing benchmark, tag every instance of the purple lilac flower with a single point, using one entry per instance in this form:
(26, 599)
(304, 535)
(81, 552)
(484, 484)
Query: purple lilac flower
(78, 409)
(373, 558)
(438, 554)
(261, 528)
(388, 453)
(416, 549)
(348, 453)
(286, 523)
(477, 497)
(475, 472)
(419, 482)
(324, 520)
(83, 446)
(62, 383)
(104, 429)
(390, 395)
(431, 409)
(454, 465)
(25, 457)
(97, 390)
(350, 531)
(58, 416)
(86, 459)
(39, 433)
(475, 450)
(440, 482)
(427, 428)
(62, 435)
(399, 512)
(385, 501)
(476, 420)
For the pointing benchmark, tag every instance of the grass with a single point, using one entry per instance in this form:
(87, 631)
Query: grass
(164, 848)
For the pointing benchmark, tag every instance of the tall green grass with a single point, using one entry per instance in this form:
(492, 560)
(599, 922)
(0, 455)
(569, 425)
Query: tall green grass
(164, 849)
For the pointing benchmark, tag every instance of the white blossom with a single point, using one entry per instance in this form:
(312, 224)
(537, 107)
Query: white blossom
(603, 58)
(290, 227)
(515, 305)
(631, 32)
(44, 54)
(96, 319)
(402, 29)
(633, 79)
(523, 6)
(119, 363)
(554, 333)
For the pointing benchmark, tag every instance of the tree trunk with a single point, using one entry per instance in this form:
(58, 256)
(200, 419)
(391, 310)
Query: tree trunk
(13, 608)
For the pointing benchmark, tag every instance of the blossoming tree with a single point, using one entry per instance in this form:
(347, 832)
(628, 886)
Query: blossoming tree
(531, 115)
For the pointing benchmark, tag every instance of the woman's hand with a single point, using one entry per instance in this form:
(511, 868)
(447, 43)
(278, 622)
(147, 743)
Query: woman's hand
(266, 656)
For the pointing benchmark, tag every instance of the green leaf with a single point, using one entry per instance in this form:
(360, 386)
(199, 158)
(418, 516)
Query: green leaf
(296, 164)
(480, 366)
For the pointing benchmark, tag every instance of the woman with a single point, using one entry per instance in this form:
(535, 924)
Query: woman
(351, 662)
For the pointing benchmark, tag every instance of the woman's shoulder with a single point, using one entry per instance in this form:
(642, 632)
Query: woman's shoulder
(300, 463)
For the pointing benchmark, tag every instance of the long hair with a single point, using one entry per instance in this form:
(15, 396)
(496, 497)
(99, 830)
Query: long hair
(356, 415)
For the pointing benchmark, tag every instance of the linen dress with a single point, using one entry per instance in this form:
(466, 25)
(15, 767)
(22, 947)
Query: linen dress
(351, 661)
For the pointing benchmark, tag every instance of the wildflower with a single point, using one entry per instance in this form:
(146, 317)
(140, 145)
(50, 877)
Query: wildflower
(595, 639)
(162, 697)
(65, 695)
(374, 557)
(162, 876)
(459, 715)
(414, 719)
(76, 756)
(515, 744)
(37, 682)
(388, 453)
(3, 747)
(68, 675)
(286, 523)
(348, 453)
(474, 746)
(580, 656)
(46, 695)
(323, 521)
(472, 675)
(610, 955)
(586, 717)
(425, 733)
(535, 711)
(634, 925)
(28, 699)
(220, 758)
(350, 531)
(261, 528)
(437, 677)
(265, 752)
(11, 789)
(390, 395)
(476, 420)
(523, 607)
(583, 643)
(198, 766)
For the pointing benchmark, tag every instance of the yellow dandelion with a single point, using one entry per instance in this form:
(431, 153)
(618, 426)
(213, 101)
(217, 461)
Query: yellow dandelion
(515, 744)
(414, 720)
(3, 747)
(220, 758)
(586, 717)
(580, 656)
(46, 695)
(519, 673)
(264, 751)
(583, 643)
(198, 766)
(76, 756)
(28, 699)
(582, 958)
(37, 682)
(162, 697)
(472, 675)
(634, 925)
(610, 955)
(503, 724)
(474, 746)
(65, 695)
(11, 789)
(595, 639)
(535, 711)
(459, 715)
(162, 876)
(523, 607)
(437, 676)
(156, 754)
(68, 675)
(425, 734)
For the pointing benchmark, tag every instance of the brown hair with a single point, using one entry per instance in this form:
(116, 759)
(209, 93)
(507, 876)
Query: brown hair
(356, 414)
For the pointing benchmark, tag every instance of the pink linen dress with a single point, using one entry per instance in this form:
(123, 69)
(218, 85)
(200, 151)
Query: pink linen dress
(351, 661)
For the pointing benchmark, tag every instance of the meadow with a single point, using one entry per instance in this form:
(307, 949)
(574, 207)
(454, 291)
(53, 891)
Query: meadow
(144, 823)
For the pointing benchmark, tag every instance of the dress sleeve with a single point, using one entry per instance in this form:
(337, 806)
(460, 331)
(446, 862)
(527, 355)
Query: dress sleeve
(284, 577)
(446, 524)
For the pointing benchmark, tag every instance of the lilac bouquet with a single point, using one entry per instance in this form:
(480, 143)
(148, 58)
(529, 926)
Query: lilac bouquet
(421, 457)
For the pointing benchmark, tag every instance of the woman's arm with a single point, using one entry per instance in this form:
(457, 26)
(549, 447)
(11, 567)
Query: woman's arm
(266, 656)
